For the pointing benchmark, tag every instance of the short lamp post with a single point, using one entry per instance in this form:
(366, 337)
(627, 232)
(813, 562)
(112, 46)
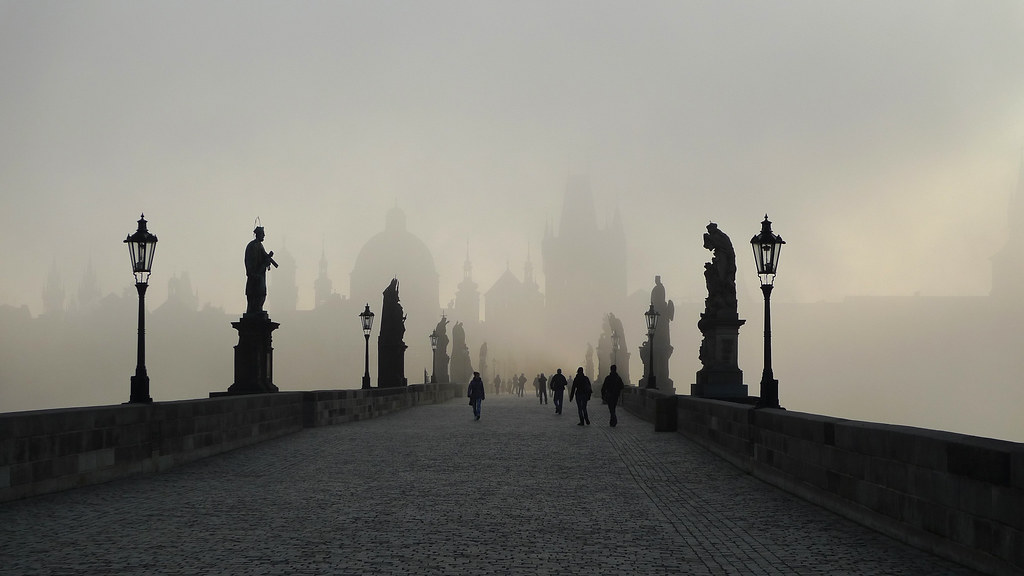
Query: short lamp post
(651, 316)
(433, 356)
(141, 246)
(366, 319)
(766, 247)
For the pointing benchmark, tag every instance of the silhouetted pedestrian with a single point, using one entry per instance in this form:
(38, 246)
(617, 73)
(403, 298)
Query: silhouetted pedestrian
(497, 384)
(582, 390)
(542, 388)
(558, 386)
(476, 393)
(610, 392)
(521, 384)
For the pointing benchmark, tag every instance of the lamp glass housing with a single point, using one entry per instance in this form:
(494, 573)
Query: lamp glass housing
(366, 319)
(651, 317)
(141, 248)
(767, 246)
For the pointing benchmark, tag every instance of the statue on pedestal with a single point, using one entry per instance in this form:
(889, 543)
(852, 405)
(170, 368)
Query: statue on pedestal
(254, 353)
(666, 310)
(720, 375)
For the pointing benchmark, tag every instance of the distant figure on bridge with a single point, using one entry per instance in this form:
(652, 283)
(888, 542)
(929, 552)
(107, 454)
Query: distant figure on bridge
(497, 384)
(476, 394)
(558, 386)
(542, 388)
(610, 392)
(582, 390)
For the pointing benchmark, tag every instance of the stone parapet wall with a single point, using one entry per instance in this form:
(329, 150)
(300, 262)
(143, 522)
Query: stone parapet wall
(51, 450)
(327, 407)
(658, 408)
(957, 496)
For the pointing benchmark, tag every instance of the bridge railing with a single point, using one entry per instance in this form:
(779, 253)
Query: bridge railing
(957, 496)
(46, 451)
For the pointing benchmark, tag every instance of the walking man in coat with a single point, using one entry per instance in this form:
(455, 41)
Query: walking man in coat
(476, 393)
(610, 392)
(558, 386)
(542, 388)
(582, 390)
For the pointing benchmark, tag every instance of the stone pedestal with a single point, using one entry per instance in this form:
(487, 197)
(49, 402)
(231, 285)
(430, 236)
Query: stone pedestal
(721, 376)
(391, 364)
(254, 355)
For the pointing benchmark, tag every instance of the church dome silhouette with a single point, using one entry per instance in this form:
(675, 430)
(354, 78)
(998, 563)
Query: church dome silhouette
(397, 253)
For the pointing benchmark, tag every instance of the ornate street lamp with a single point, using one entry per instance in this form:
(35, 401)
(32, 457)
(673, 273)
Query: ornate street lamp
(366, 319)
(433, 356)
(766, 247)
(141, 246)
(651, 316)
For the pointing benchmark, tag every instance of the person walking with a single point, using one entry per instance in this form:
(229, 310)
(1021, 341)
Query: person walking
(476, 393)
(542, 388)
(610, 392)
(582, 390)
(558, 386)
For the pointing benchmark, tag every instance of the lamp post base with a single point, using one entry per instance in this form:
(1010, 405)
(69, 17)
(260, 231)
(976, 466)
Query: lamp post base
(769, 394)
(140, 390)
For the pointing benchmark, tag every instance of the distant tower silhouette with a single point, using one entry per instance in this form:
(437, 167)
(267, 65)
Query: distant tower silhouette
(467, 299)
(513, 313)
(89, 290)
(180, 293)
(53, 293)
(323, 288)
(584, 268)
(1008, 263)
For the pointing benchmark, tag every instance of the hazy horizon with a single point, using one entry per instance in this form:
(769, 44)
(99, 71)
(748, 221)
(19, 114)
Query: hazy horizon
(885, 141)
(871, 134)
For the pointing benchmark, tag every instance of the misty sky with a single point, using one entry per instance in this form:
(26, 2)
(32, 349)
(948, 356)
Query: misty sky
(883, 139)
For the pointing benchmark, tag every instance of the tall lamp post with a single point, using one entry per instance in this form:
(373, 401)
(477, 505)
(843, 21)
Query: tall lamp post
(433, 356)
(651, 316)
(366, 319)
(141, 246)
(766, 247)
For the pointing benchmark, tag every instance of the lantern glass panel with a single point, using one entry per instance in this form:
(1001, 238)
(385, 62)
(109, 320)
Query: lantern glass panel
(366, 318)
(651, 316)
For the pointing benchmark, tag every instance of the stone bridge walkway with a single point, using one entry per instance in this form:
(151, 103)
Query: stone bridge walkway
(431, 491)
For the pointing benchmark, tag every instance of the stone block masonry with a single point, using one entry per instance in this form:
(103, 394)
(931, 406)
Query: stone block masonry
(47, 451)
(957, 496)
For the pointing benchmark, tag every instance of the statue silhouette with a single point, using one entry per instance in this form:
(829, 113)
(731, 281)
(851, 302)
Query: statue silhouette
(720, 375)
(441, 353)
(390, 346)
(462, 365)
(720, 273)
(257, 262)
(662, 340)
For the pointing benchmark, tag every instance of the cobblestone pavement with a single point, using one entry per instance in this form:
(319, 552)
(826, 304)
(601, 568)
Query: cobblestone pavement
(431, 491)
